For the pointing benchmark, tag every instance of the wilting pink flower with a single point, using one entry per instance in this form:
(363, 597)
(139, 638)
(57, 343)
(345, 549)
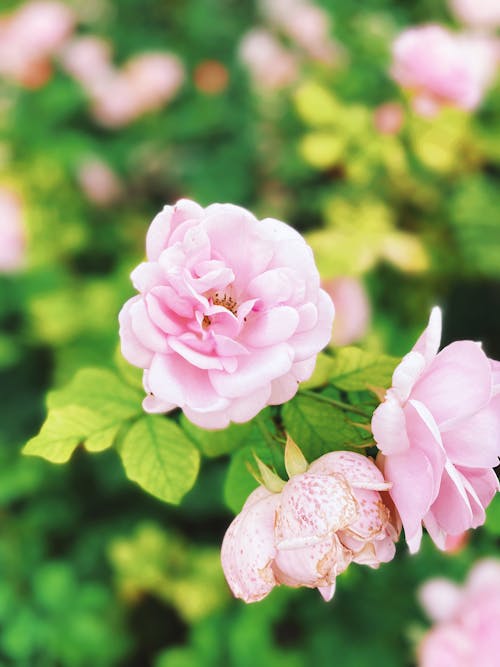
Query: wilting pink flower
(98, 182)
(389, 118)
(439, 433)
(230, 316)
(12, 236)
(477, 13)
(270, 65)
(29, 36)
(441, 68)
(352, 309)
(466, 619)
(307, 534)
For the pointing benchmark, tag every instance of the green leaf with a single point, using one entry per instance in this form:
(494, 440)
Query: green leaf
(355, 369)
(160, 458)
(217, 443)
(492, 524)
(91, 409)
(318, 427)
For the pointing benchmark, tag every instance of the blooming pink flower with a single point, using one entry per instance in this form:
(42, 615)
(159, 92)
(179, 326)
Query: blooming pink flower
(29, 36)
(230, 315)
(307, 534)
(270, 65)
(439, 433)
(477, 13)
(466, 619)
(12, 236)
(441, 68)
(98, 182)
(352, 309)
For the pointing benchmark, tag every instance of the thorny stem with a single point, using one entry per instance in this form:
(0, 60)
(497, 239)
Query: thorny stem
(334, 402)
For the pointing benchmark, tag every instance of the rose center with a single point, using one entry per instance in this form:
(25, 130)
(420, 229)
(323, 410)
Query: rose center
(224, 300)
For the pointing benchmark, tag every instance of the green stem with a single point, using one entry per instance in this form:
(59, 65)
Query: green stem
(334, 402)
(275, 448)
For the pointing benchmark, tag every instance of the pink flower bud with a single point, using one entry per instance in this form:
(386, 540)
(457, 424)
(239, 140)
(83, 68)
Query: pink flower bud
(99, 184)
(308, 533)
(439, 431)
(389, 118)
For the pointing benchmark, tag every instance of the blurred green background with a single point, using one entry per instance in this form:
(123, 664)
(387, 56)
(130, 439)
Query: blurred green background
(94, 571)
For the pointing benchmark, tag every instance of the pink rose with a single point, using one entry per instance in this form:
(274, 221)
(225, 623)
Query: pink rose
(466, 619)
(270, 65)
(230, 315)
(12, 237)
(322, 520)
(477, 13)
(441, 68)
(439, 433)
(352, 309)
(29, 36)
(88, 60)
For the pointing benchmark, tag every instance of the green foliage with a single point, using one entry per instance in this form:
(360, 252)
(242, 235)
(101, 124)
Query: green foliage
(160, 458)
(319, 427)
(354, 369)
(91, 410)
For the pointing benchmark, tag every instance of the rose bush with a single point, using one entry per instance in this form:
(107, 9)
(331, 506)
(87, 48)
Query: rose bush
(230, 315)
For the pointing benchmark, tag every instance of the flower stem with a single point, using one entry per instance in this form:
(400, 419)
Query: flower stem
(334, 402)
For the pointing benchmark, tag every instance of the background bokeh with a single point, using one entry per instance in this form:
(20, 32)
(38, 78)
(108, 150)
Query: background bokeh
(299, 121)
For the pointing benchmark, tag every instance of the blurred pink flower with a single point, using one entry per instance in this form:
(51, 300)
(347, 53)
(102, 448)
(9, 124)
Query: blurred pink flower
(29, 36)
(230, 315)
(88, 60)
(146, 83)
(466, 619)
(440, 68)
(477, 13)
(306, 24)
(307, 534)
(98, 182)
(439, 433)
(270, 65)
(352, 309)
(388, 118)
(12, 235)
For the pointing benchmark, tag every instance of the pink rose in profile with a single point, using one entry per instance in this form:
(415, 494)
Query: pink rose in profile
(439, 433)
(466, 619)
(440, 68)
(270, 65)
(29, 36)
(323, 519)
(484, 14)
(230, 315)
(12, 236)
(352, 309)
